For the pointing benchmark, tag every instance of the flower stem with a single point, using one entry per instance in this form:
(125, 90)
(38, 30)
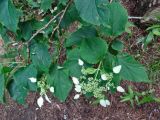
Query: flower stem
(98, 69)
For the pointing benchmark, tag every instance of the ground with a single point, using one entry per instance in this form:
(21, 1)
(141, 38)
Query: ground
(82, 109)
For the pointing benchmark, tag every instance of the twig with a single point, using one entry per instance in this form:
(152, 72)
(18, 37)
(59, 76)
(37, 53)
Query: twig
(132, 17)
(63, 13)
(44, 27)
(111, 1)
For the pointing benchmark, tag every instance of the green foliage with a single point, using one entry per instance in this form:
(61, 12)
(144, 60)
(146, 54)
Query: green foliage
(9, 15)
(92, 50)
(2, 84)
(39, 36)
(153, 35)
(139, 98)
(46, 4)
(40, 56)
(21, 85)
(131, 69)
(59, 78)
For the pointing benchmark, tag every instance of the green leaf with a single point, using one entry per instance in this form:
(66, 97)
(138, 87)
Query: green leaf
(40, 56)
(77, 37)
(117, 19)
(46, 4)
(117, 45)
(4, 35)
(59, 78)
(72, 63)
(9, 15)
(90, 70)
(131, 69)
(63, 2)
(93, 50)
(109, 62)
(156, 31)
(148, 39)
(70, 16)
(21, 85)
(26, 30)
(2, 85)
(92, 11)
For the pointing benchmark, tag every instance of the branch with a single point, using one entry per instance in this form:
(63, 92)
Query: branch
(63, 13)
(44, 27)
(132, 17)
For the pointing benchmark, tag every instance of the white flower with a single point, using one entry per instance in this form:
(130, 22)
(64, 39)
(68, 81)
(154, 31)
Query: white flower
(117, 69)
(80, 62)
(42, 20)
(120, 89)
(104, 103)
(76, 96)
(33, 80)
(75, 80)
(46, 97)
(51, 89)
(77, 88)
(103, 77)
(40, 101)
(55, 8)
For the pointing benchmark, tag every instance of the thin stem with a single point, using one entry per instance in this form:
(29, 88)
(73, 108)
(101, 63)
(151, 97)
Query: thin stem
(44, 27)
(63, 13)
(11, 62)
(133, 17)
(98, 69)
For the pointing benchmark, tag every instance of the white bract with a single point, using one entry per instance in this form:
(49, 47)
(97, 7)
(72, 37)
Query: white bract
(77, 88)
(80, 62)
(40, 101)
(76, 96)
(33, 80)
(120, 89)
(117, 69)
(103, 77)
(104, 103)
(55, 8)
(46, 97)
(75, 80)
(51, 89)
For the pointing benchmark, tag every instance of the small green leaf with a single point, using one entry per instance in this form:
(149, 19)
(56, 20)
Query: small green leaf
(156, 31)
(40, 56)
(93, 50)
(117, 45)
(46, 4)
(148, 39)
(9, 15)
(63, 2)
(2, 85)
(131, 69)
(90, 70)
(59, 78)
(72, 63)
